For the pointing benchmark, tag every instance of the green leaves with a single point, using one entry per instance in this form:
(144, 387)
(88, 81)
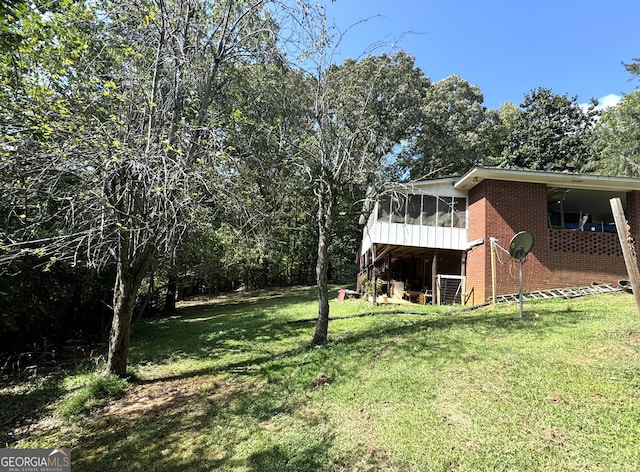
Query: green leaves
(551, 132)
(454, 131)
(634, 68)
(616, 139)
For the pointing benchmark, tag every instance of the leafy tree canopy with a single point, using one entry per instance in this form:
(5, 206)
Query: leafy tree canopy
(616, 140)
(111, 134)
(550, 133)
(454, 132)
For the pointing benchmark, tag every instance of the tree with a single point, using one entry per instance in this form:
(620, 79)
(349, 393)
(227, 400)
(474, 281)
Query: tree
(616, 139)
(503, 127)
(361, 111)
(633, 67)
(454, 132)
(551, 133)
(268, 199)
(125, 145)
(175, 139)
(41, 117)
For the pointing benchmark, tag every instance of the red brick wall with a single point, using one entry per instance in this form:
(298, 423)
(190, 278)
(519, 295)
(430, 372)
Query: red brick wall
(559, 258)
(632, 213)
(478, 259)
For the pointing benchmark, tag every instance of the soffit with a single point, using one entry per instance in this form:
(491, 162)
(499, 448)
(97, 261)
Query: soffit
(552, 179)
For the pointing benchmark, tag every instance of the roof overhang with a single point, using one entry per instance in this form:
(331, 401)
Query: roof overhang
(552, 179)
(414, 186)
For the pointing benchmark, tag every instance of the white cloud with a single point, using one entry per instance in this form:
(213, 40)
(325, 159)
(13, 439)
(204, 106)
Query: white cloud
(605, 102)
(609, 101)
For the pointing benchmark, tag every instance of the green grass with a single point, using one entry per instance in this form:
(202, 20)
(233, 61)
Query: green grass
(92, 391)
(230, 385)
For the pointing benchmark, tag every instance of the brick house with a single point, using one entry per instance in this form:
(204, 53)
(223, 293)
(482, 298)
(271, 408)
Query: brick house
(431, 238)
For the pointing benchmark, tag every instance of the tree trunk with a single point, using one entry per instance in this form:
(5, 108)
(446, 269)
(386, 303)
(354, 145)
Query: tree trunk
(124, 298)
(128, 281)
(325, 226)
(264, 282)
(322, 265)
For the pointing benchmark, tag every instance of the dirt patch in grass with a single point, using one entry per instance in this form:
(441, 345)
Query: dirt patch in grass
(163, 396)
(320, 380)
(555, 436)
(596, 398)
(150, 399)
(555, 399)
(453, 413)
(634, 336)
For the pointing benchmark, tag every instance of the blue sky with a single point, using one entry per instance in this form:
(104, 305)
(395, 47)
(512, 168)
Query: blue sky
(506, 48)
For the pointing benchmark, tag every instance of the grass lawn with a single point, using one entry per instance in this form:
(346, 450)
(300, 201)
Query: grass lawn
(229, 385)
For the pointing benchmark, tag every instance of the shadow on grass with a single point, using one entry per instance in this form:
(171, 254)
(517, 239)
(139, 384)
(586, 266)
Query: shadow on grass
(202, 330)
(214, 429)
(27, 406)
(227, 429)
(360, 344)
(212, 330)
(141, 444)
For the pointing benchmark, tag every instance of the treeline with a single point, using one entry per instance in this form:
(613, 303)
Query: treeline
(183, 148)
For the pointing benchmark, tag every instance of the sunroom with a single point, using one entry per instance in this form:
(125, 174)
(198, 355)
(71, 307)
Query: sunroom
(415, 240)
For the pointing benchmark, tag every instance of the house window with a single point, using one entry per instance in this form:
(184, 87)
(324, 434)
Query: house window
(444, 212)
(586, 210)
(383, 209)
(426, 210)
(459, 212)
(452, 212)
(414, 208)
(398, 208)
(429, 210)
